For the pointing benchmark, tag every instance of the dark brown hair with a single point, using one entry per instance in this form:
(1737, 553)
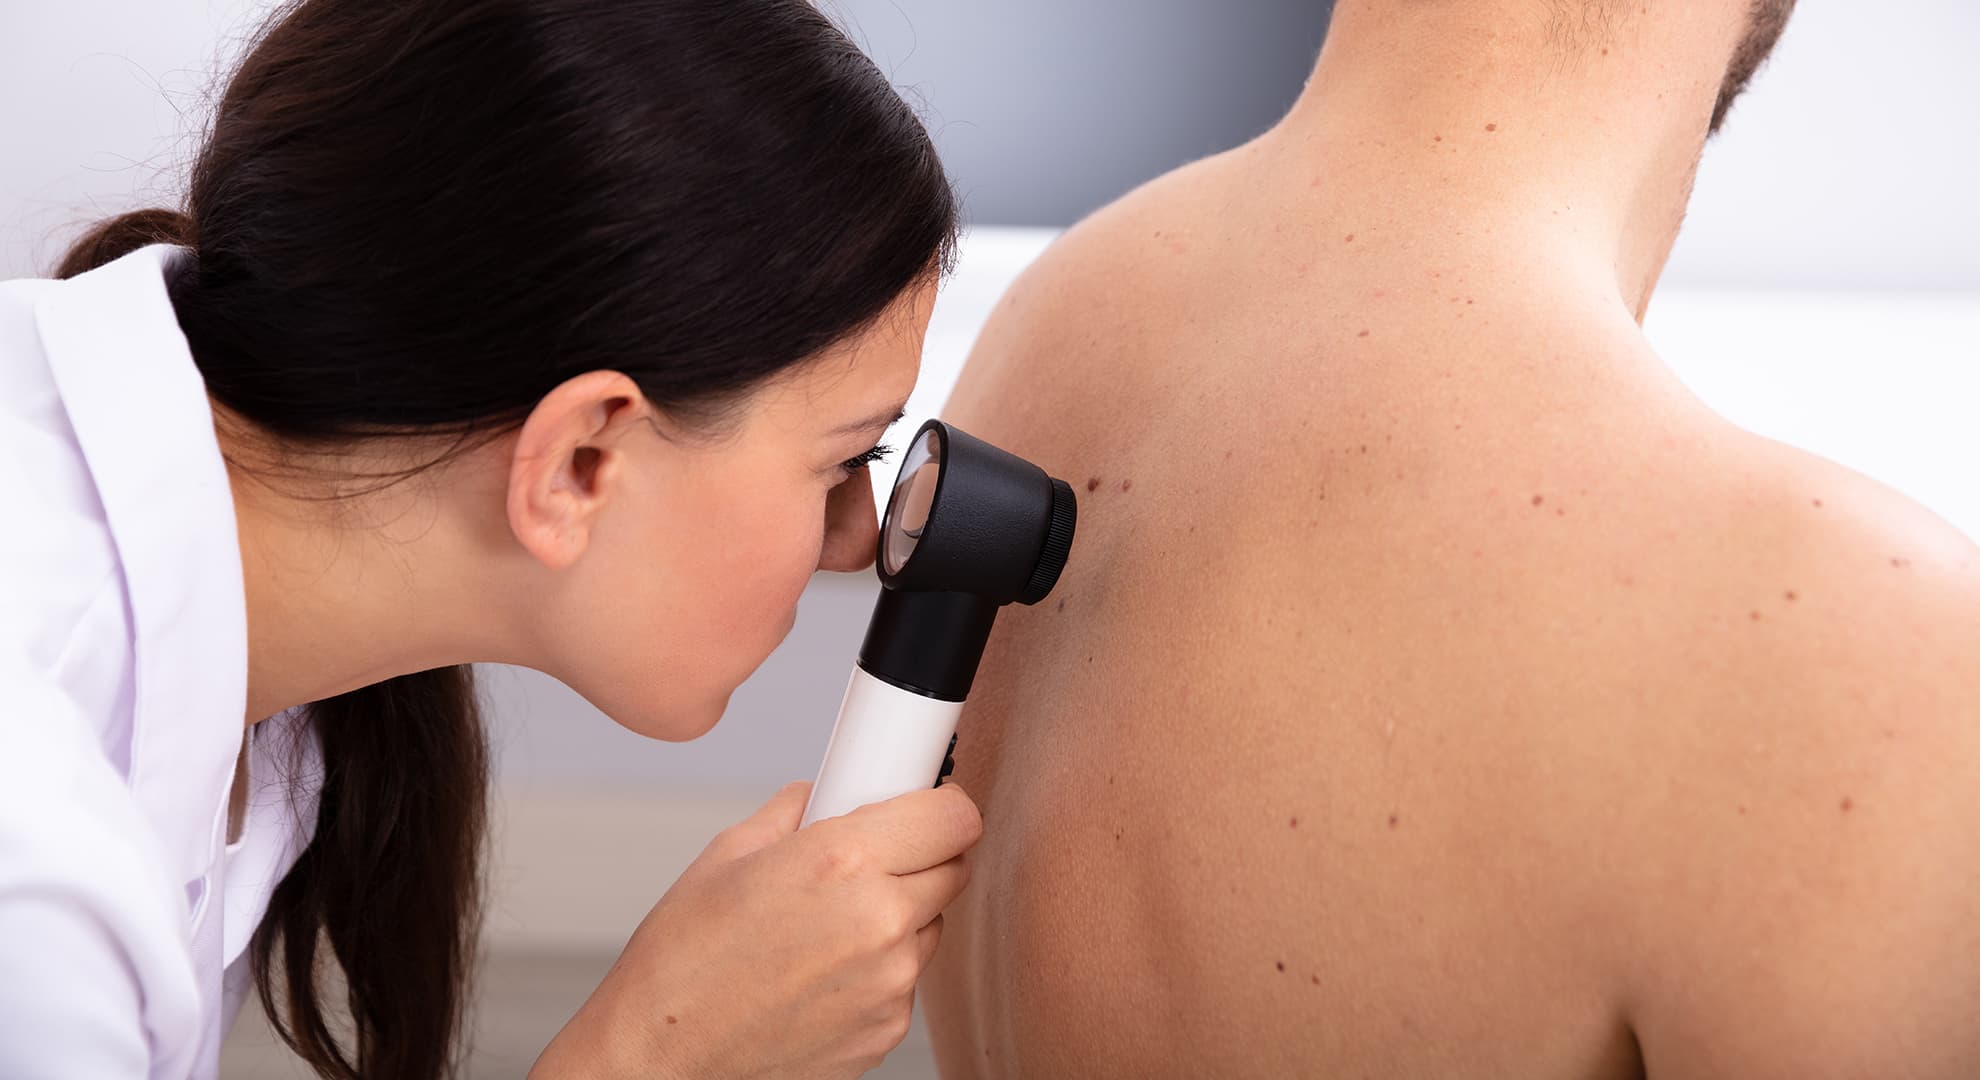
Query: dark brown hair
(417, 217)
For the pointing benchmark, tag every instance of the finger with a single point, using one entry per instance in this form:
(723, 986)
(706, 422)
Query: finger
(918, 830)
(771, 822)
(935, 888)
(925, 941)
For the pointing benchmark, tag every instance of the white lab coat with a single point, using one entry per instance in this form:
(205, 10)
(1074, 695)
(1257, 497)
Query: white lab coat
(124, 910)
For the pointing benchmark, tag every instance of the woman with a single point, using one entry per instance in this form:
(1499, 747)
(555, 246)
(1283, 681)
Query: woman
(546, 332)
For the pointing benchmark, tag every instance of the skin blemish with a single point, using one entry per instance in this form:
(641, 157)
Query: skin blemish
(1117, 836)
(1436, 138)
(1394, 820)
(1364, 333)
(1899, 563)
(1127, 485)
(1538, 499)
(673, 1019)
(1742, 810)
(1316, 980)
(1093, 484)
(1349, 240)
(1294, 824)
(1491, 127)
(1791, 595)
(1558, 512)
(1062, 605)
(1848, 804)
(1818, 504)
(1281, 965)
(1754, 615)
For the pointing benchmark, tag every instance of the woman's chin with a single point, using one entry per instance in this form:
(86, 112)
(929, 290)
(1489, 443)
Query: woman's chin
(681, 722)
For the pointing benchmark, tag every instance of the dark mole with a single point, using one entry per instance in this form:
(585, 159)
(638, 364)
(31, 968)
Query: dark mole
(1062, 604)
(1538, 499)
(1316, 980)
(1281, 965)
(1126, 484)
(1364, 333)
(673, 1020)
(1491, 127)
(1848, 804)
(1117, 836)
(1093, 484)
(1394, 820)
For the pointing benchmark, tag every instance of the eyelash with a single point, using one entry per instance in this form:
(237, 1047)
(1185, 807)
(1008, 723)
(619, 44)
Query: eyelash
(878, 453)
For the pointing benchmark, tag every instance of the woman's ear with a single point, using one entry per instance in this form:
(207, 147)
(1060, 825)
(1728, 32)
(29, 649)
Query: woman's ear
(567, 464)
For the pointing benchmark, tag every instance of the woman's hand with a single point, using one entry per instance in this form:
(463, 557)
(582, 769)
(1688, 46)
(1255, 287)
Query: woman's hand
(780, 953)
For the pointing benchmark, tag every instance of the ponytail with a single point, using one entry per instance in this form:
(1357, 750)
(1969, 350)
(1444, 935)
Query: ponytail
(391, 880)
(113, 239)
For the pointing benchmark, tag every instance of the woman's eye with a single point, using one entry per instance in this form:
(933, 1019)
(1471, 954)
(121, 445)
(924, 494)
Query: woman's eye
(878, 453)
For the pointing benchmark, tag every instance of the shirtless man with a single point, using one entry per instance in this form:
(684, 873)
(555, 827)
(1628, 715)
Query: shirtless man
(1438, 689)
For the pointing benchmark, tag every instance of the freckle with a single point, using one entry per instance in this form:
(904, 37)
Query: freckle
(1294, 825)
(1316, 980)
(1127, 485)
(1538, 499)
(1848, 804)
(1437, 138)
(1117, 836)
(1364, 448)
(673, 1019)
(1227, 454)
(1791, 596)
(1754, 615)
(1364, 333)
(1605, 52)
(1394, 821)
(1062, 605)
(1491, 127)
(1110, 776)
(1281, 965)
(1349, 240)
(1742, 811)
(1469, 300)
(1093, 484)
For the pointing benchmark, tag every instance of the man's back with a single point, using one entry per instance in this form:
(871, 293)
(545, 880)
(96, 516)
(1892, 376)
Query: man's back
(1437, 688)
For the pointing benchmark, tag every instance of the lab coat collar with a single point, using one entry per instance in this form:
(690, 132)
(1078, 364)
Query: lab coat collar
(140, 413)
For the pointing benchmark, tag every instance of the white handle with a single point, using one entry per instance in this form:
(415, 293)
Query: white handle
(887, 742)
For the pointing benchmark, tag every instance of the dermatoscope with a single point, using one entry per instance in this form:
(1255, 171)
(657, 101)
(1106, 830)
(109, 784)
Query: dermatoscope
(969, 528)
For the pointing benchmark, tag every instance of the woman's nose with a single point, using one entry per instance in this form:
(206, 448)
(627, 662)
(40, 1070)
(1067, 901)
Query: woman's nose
(852, 530)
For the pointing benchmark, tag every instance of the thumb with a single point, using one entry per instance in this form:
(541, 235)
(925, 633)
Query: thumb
(772, 821)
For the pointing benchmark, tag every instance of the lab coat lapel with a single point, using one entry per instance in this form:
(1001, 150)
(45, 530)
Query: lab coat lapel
(140, 413)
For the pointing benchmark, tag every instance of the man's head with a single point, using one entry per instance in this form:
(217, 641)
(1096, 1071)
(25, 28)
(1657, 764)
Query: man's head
(1765, 21)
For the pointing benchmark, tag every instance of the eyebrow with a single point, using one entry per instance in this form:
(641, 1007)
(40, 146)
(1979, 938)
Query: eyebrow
(877, 420)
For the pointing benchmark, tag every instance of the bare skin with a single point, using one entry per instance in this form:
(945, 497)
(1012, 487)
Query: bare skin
(1439, 689)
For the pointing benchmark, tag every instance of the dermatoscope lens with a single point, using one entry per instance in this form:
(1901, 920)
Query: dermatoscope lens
(914, 495)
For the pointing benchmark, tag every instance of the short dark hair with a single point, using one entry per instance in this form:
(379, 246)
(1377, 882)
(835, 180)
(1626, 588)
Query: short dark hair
(1765, 21)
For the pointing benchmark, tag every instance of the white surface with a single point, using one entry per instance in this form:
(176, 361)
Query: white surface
(886, 742)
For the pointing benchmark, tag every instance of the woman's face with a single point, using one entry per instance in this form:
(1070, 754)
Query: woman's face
(700, 543)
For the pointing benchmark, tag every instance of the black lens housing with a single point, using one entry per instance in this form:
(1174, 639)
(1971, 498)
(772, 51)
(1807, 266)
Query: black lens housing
(999, 531)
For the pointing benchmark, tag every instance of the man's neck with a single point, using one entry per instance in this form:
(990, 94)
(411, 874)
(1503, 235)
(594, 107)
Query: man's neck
(1489, 122)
